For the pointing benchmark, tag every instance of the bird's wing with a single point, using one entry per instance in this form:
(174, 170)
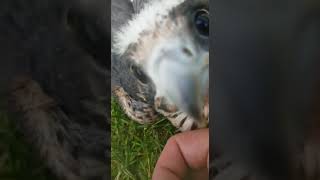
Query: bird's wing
(122, 11)
(122, 73)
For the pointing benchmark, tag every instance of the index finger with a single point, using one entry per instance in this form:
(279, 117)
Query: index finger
(183, 152)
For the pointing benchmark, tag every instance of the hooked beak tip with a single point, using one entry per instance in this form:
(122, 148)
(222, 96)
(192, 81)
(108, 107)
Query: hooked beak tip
(190, 97)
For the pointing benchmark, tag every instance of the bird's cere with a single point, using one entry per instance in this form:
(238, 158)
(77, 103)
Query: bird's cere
(180, 72)
(168, 41)
(145, 21)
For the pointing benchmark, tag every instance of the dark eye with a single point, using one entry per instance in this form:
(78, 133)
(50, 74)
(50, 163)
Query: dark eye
(201, 22)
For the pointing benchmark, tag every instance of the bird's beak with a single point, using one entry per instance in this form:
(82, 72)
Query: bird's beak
(188, 84)
(192, 88)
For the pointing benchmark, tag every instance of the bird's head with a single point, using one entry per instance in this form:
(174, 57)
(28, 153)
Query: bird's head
(169, 40)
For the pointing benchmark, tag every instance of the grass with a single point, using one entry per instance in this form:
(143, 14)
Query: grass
(135, 148)
(17, 161)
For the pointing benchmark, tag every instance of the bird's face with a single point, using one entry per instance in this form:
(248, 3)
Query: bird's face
(173, 51)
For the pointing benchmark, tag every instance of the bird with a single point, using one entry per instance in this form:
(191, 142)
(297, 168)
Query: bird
(55, 77)
(160, 60)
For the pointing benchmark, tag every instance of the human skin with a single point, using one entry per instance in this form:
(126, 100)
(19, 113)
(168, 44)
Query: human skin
(185, 156)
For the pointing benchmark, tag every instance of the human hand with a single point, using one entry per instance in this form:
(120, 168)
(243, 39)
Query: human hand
(185, 156)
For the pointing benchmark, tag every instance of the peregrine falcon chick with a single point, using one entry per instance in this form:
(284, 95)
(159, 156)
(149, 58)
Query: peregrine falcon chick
(160, 61)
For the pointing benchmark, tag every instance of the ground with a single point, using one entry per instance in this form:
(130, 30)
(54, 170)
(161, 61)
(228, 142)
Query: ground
(135, 148)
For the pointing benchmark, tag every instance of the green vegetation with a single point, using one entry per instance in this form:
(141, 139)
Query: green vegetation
(135, 147)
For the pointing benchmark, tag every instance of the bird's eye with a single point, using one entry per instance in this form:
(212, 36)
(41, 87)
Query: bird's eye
(201, 22)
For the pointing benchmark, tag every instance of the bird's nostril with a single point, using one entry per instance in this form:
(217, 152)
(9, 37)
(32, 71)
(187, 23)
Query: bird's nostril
(187, 52)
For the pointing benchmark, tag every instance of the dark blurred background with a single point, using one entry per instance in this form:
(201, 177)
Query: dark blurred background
(54, 89)
(265, 84)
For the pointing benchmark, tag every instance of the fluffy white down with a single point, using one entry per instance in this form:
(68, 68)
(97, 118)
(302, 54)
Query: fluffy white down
(146, 20)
